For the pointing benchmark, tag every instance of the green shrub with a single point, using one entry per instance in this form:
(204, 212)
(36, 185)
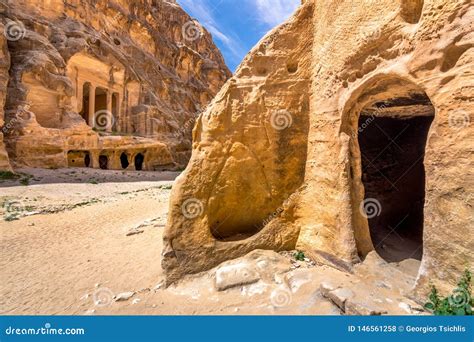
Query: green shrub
(299, 255)
(5, 175)
(459, 303)
(25, 181)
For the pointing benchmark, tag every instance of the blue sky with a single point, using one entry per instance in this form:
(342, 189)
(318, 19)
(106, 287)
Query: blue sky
(237, 25)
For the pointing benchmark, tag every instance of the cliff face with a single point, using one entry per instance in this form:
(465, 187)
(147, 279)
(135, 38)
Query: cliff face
(4, 66)
(343, 131)
(102, 78)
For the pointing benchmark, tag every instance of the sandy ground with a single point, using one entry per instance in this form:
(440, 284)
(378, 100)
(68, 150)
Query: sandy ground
(65, 248)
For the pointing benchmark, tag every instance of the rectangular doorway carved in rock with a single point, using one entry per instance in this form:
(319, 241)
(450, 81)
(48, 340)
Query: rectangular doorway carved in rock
(392, 150)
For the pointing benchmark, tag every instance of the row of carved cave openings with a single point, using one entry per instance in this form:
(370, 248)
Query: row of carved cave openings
(389, 125)
(83, 159)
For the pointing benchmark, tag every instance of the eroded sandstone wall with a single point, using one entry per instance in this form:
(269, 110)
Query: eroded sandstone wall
(246, 162)
(302, 184)
(4, 66)
(157, 67)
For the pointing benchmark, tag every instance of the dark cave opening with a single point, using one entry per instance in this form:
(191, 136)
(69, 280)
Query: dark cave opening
(139, 159)
(124, 160)
(103, 162)
(393, 174)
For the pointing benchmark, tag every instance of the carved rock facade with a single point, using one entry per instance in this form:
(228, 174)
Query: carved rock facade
(344, 130)
(109, 84)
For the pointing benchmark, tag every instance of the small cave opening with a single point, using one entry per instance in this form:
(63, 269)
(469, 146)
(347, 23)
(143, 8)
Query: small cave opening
(124, 160)
(103, 162)
(85, 102)
(392, 137)
(87, 160)
(139, 159)
(292, 67)
(78, 158)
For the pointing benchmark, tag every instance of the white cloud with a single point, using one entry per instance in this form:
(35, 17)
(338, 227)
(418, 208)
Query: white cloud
(204, 12)
(274, 12)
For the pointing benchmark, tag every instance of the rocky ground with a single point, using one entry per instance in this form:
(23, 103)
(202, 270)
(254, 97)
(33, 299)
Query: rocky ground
(83, 241)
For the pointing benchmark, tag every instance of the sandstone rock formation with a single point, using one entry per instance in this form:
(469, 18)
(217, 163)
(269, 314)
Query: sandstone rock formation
(4, 66)
(344, 130)
(110, 84)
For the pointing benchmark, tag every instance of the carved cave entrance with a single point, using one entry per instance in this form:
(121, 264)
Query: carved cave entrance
(139, 158)
(392, 136)
(100, 99)
(85, 102)
(124, 160)
(104, 162)
(78, 159)
(115, 104)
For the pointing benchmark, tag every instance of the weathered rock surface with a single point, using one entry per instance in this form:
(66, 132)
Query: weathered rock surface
(256, 266)
(277, 157)
(102, 78)
(4, 66)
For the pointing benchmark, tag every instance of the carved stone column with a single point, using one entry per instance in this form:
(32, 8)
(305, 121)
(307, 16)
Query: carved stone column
(110, 120)
(90, 121)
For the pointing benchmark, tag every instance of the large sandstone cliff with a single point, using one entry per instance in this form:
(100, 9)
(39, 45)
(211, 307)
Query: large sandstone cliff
(282, 156)
(4, 66)
(146, 64)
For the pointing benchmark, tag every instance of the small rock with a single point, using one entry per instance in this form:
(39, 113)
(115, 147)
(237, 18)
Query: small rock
(97, 285)
(136, 301)
(159, 286)
(325, 288)
(235, 275)
(134, 232)
(355, 308)
(405, 306)
(89, 312)
(340, 296)
(384, 285)
(124, 296)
